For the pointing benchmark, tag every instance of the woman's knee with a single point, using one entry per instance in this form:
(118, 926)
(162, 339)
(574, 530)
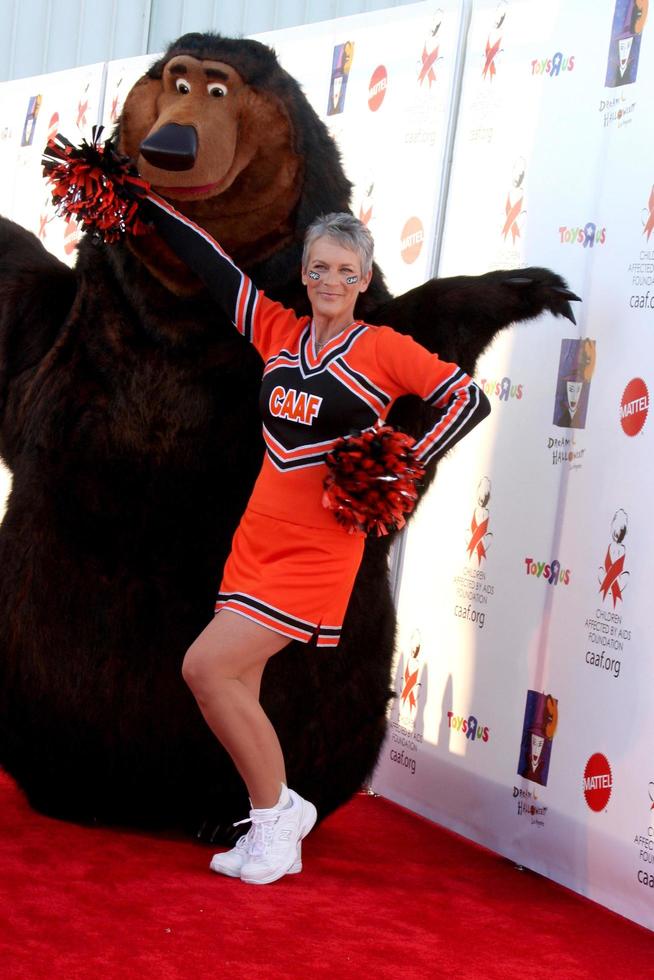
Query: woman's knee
(198, 670)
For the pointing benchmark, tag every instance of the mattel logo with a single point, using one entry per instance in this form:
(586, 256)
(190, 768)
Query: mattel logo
(634, 407)
(72, 236)
(598, 782)
(377, 87)
(412, 238)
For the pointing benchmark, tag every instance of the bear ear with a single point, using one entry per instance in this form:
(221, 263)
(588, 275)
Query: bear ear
(139, 115)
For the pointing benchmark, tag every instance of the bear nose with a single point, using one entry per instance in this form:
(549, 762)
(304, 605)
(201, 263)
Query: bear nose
(173, 147)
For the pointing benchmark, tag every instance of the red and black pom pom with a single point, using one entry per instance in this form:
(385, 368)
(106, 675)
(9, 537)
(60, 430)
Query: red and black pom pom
(97, 186)
(372, 483)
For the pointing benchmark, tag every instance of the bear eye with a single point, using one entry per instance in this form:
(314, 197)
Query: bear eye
(217, 90)
(183, 86)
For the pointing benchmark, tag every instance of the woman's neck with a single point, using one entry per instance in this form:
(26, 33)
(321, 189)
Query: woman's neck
(326, 327)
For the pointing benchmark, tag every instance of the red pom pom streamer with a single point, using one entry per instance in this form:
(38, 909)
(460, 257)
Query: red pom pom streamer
(95, 185)
(372, 480)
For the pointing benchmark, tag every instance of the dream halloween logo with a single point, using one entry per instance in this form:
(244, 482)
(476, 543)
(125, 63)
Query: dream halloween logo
(538, 730)
(341, 67)
(576, 369)
(629, 19)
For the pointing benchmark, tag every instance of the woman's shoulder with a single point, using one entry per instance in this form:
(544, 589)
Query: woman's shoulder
(386, 338)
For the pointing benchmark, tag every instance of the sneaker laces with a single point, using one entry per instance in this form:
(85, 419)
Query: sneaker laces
(261, 840)
(245, 840)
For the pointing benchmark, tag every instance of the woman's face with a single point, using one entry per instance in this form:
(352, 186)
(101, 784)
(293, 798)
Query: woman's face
(335, 291)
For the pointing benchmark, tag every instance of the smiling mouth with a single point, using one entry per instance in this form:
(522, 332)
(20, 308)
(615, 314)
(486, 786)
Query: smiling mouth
(177, 191)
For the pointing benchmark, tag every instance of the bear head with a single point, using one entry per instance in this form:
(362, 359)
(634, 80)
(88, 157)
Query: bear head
(223, 132)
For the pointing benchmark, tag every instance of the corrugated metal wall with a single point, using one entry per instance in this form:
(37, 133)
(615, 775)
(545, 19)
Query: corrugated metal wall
(38, 36)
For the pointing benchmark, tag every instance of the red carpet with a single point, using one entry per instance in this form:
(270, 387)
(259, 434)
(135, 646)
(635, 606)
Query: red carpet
(384, 894)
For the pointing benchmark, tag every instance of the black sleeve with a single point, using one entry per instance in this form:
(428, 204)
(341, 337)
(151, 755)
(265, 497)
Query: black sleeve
(232, 289)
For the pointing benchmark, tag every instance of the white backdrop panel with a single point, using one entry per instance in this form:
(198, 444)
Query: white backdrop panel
(552, 166)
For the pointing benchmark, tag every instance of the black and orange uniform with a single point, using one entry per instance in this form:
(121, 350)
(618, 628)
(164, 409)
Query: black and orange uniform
(292, 566)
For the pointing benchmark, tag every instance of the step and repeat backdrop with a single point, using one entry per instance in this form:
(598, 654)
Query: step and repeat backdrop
(524, 679)
(525, 675)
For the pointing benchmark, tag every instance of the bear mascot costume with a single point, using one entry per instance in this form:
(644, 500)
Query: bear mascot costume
(129, 420)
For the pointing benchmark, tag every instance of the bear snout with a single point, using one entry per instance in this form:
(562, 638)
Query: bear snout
(173, 147)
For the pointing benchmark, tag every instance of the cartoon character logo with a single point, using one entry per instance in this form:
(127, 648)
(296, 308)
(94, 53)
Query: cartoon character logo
(629, 20)
(514, 211)
(411, 682)
(612, 576)
(341, 66)
(576, 369)
(480, 538)
(494, 41)
(430, 53)
(539, 728)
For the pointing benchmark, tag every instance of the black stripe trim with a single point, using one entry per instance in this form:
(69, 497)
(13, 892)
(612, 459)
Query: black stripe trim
(363, 381)
(469, 411)
(300, 624)
(295, 464)
(306, 370)
(282, 353)
(439, 392)
(247, 312)
(443, 387)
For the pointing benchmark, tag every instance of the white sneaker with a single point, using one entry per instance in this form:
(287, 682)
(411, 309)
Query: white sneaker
(230, 862)
(275, 848)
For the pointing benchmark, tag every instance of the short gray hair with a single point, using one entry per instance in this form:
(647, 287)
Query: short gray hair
(345, 229)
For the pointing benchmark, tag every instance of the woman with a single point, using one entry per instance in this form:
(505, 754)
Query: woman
(292, 567)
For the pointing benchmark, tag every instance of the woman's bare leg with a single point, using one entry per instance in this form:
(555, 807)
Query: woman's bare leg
(223, 669)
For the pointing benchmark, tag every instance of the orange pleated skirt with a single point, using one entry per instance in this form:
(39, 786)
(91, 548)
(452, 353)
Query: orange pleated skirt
(292, 579)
